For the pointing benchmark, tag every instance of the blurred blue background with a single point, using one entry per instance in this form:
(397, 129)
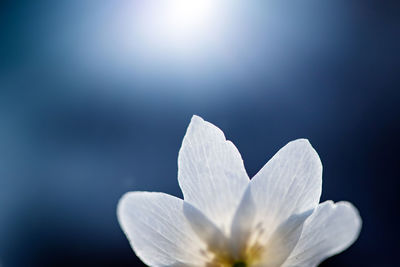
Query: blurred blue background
(96, 95)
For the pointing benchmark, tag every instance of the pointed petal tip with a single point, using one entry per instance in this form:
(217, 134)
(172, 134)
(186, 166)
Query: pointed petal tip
(198, 122)
(195, 122)
(196, 119)
(211, 172)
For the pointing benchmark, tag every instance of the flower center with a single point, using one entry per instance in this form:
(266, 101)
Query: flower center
(239, 264)
(248, 253)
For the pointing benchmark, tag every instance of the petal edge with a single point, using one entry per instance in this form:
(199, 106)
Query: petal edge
(290, 183)
(157, 229)
(211, 172)
(332, 228)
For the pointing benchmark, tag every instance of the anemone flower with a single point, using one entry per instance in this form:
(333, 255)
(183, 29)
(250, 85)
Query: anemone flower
(226, 219)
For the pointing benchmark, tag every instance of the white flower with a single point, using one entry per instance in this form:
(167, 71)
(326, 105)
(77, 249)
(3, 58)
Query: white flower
(226, 219)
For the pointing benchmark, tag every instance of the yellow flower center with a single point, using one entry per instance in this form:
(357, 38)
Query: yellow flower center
(248, 256)
(249, 252)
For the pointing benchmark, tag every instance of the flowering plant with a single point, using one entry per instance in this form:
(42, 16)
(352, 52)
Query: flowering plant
(226, 219)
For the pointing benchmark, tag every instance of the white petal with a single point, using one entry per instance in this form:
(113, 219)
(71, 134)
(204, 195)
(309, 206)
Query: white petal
(276, 241)
(211, 172)
(207, 231)
(290, 183)
(243, 227)
(329, 230)
(158, 230)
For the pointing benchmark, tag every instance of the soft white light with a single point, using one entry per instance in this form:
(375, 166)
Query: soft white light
(179, 25)
(188, 16)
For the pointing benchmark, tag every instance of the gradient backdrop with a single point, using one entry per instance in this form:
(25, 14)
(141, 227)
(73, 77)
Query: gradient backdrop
(96, 95)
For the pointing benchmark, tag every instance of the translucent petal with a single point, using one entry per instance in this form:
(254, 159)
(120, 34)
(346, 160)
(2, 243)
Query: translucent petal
(206, 230)
(211, 172)
(290, 183)
(278, 200)
(331, 229)
(158, 230)
(253, 238)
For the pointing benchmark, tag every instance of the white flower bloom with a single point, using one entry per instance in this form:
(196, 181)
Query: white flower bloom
(226, 219)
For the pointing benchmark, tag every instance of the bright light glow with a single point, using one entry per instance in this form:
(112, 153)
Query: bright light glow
(180, 25)
(189, 16)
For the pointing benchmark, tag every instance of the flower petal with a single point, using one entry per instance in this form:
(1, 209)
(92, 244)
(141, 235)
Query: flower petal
(211, 172)
(206, 230)
(263, 246)
(329, 230)
(158, 230)
(290, 183)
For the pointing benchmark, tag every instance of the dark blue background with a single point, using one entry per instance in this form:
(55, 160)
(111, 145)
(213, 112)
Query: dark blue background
(81, 122)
